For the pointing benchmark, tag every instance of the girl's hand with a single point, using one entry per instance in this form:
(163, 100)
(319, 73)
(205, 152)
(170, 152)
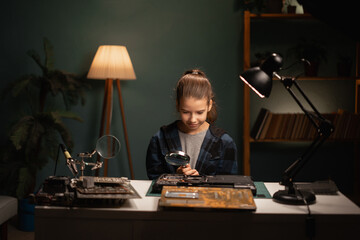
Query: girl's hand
(187, 170)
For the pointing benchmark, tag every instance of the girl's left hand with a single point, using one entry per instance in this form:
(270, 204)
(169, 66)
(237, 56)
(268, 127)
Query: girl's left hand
(187, 170)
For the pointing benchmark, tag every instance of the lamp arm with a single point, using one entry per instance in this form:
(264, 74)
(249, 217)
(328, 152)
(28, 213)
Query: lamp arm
(323, 126)
(288, 82)
(290, 173)
(324, 129)
(318, 114)
(308, 114)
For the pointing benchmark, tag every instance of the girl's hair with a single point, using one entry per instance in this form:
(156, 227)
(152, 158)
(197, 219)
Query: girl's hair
(194, 83)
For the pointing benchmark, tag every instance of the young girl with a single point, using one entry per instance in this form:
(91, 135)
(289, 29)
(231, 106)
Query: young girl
(211, 150)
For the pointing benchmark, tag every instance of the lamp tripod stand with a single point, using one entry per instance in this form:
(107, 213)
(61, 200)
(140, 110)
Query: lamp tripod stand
(106, 117)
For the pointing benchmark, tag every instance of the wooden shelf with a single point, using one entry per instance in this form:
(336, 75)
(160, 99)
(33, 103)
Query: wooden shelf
(298, 140)
(323, 78)
(277, 140)
(357, 98)
(280, 15)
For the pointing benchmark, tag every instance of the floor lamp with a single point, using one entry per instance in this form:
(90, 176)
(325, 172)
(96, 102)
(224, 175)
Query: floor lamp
(112, 62)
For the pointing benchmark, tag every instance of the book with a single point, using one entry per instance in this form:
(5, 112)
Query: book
(266, 126)
(270, 134)
(297, 126)
(259, 123)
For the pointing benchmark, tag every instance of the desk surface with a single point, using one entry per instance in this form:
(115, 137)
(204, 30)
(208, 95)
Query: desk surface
(325, 204)
(336, 216)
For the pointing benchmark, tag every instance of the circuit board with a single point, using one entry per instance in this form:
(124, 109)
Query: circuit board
(105, 188)
(207, 197)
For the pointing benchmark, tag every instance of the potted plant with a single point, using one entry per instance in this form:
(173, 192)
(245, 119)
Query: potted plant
(344, 64)
(34, 138)
(274, 6)
(255, 6)
(313, 52)
(260, 58)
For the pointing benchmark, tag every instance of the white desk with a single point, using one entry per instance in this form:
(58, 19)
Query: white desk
(336, 217)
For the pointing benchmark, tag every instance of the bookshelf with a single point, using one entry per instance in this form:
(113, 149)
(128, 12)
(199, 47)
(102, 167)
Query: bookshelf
(356, 197)
(357, 83)
(271, 127)
(247, 139)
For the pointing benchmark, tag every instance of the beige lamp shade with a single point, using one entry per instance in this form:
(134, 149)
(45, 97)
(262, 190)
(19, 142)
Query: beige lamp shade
(111, 62)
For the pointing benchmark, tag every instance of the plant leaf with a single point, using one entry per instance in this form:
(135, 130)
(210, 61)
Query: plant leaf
(21, 131)
(26, 182)
(67, 114)
(61, 128)
(49, 54)
(23, 84)
(35, 56)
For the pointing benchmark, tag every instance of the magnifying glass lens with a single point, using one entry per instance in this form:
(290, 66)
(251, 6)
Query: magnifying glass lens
(108, 146)
(178, 158)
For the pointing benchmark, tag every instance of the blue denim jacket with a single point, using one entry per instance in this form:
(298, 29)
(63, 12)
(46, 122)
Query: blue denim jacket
(218, 154)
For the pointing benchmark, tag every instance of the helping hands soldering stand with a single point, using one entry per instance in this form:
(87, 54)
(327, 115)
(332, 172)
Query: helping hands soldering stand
(98, 164)
(107, 147)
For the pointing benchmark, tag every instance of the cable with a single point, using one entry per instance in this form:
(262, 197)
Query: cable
(56, 160)
(310, 220)
(302, 60)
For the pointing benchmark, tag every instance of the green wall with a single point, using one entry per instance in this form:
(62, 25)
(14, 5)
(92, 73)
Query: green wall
(164, 38)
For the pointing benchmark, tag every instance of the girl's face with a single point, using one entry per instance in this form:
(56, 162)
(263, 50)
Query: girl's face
(193, 113)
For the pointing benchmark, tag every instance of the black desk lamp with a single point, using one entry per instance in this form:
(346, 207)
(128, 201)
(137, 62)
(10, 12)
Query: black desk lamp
(259, 79)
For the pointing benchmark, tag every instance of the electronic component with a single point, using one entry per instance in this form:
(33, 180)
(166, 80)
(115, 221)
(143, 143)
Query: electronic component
(85, 191)
(89, 187)
(224, 181)
(207, 197)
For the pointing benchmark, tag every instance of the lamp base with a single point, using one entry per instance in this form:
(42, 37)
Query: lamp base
(294, 198)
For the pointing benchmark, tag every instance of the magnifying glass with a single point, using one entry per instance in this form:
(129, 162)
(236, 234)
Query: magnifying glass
(108, 146)
(177, 158)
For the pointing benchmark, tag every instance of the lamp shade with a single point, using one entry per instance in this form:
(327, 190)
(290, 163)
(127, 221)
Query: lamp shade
(259, 79)
(111, 62)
